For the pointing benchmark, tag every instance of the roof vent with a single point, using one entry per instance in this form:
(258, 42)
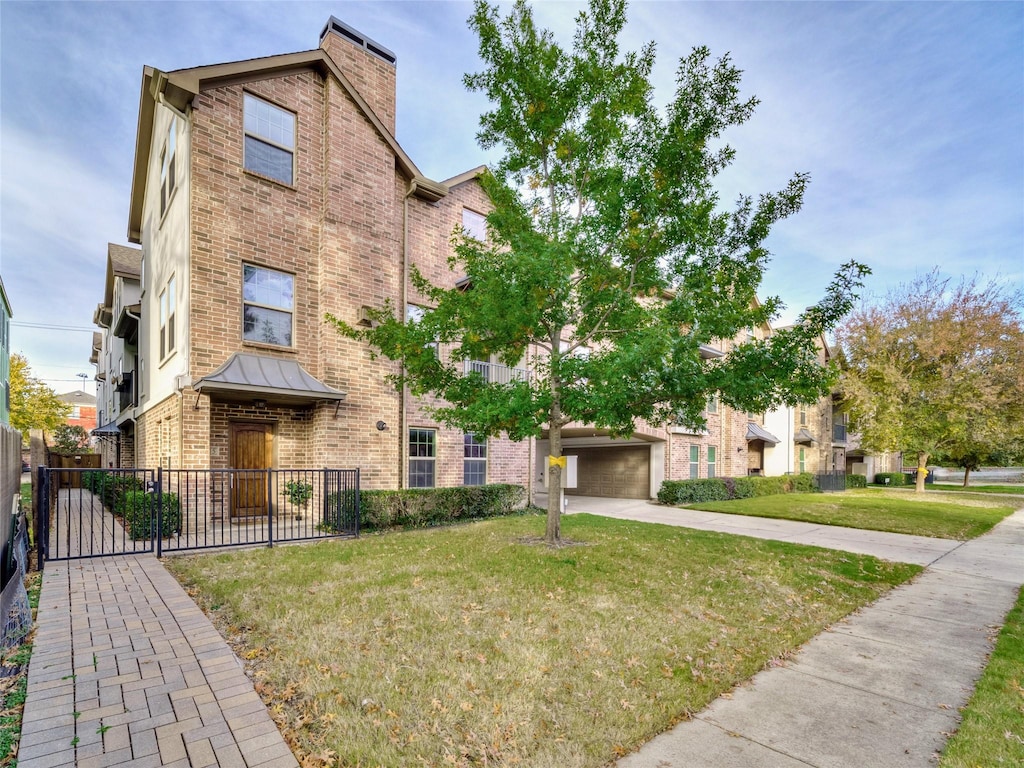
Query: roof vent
(356, 37)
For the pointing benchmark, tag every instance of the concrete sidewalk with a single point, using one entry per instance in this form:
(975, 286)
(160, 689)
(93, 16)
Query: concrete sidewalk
(881, 688)
(126, 670)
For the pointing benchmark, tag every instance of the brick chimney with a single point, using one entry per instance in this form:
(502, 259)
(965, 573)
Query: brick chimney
(369, 66)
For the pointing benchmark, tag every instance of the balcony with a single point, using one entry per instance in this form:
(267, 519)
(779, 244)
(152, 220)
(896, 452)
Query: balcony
(838, 433)
(495, 373)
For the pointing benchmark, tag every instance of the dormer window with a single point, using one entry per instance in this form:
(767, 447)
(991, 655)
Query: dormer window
(269, 140)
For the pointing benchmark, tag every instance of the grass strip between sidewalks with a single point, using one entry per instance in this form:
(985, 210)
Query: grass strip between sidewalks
(997, 489)
(897, 512)
(476, 645)
(992, 729)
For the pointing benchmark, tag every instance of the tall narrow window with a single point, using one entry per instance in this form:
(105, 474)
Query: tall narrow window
(475, 224)
(474, 461)
(712, 457)
(267, 303)
(803, 464)
(422, 455)
(803, 415)
(712, 406)
(694, 462)
(269, 140)
(167, 175)
(167, 312)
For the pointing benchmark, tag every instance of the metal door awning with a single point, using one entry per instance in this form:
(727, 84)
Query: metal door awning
(248, 377)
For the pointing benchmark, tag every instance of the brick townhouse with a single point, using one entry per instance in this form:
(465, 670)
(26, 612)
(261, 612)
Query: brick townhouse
(267, 193)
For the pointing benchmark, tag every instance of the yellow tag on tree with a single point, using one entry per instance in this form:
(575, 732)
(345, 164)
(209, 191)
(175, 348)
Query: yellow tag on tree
(556, 461)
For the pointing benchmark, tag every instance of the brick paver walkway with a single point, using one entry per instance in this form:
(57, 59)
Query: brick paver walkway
(126, 670)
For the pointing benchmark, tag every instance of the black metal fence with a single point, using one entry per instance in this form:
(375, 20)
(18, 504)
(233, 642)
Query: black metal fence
(831, 481)
(95, 513)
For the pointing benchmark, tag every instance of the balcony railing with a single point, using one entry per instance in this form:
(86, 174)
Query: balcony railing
(839, 433)
(496, 373)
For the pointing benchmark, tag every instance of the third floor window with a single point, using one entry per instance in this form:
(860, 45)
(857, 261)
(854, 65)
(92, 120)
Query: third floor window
(269, 140)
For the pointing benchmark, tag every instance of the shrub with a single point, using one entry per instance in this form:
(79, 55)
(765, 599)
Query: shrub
(112, 486)
(894, 478)
(729, 488)
(424, 507)
(691, 491)
(856, 481)
(139, 510)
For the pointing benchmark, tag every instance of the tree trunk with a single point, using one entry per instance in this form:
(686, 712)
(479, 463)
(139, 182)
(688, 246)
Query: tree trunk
(922, 471)
(553, 533)
(967, 475)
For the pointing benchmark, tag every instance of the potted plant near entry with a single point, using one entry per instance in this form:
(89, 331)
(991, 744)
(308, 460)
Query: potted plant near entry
(298, 492)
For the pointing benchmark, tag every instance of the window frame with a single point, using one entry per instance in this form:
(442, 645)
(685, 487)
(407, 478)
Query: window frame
(266, 140)
(471, 444)
(168, 166)
(290, 311)
(168, 304)
(421, 461)
(476, 226)
(802, 460)
(712, 460)
(694, 461)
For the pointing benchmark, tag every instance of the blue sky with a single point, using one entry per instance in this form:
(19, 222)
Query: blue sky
(909, 117)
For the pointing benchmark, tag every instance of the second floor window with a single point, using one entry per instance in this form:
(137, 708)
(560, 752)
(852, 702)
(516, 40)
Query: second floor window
(803, 415)
(475, 224)
(267, 303)
(269, 140)
(167, 311)
(167, 174)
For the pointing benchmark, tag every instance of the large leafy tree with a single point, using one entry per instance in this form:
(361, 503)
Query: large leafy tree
(33, 404)
(936, 368)
(609, 261)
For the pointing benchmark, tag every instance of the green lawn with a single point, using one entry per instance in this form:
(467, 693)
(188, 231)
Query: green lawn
(476, 645)
(958, 488)
(992, 729)
(896, 511)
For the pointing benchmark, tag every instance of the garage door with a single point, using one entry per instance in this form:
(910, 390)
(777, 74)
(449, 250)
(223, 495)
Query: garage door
(618, 473)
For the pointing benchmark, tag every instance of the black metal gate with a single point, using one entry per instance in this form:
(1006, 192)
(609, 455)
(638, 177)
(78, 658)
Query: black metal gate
(97, 513)
(831, 481)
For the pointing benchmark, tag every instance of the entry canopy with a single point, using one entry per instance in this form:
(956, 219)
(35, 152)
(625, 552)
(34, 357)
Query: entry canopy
(756, 432)
(110, 429)
(803, 437)
(257, 377)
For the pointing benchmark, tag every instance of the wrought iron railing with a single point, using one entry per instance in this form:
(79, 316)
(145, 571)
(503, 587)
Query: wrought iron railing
(92, 513)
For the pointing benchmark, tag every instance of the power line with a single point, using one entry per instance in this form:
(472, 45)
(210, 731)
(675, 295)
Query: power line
(49, 327)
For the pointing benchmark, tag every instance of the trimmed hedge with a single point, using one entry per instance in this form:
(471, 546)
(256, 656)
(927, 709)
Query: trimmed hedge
(729, 488)
(895, 478)
(139, 511)
(111, 487)
(856, 481)
(424, 507)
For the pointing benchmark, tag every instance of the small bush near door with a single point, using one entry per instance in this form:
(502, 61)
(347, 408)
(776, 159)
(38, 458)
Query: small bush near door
(856, 481)
(139, 510)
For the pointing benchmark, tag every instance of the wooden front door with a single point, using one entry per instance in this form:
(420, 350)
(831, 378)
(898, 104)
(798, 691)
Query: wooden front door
(251, 453)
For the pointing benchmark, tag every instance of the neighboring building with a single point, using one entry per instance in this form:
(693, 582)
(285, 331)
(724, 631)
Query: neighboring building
(5, 355)
(268, 193)
(115, 353)
(83, 409)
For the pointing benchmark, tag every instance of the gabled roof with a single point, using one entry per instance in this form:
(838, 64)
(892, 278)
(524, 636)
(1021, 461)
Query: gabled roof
(178, 88)
(122, 261)
(246, 376)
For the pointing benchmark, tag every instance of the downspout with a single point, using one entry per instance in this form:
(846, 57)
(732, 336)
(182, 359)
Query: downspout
(404, 296)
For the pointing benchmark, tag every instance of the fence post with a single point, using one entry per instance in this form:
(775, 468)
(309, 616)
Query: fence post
(270, 508)
(159, 512)
(42, 512)
(355, 526)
